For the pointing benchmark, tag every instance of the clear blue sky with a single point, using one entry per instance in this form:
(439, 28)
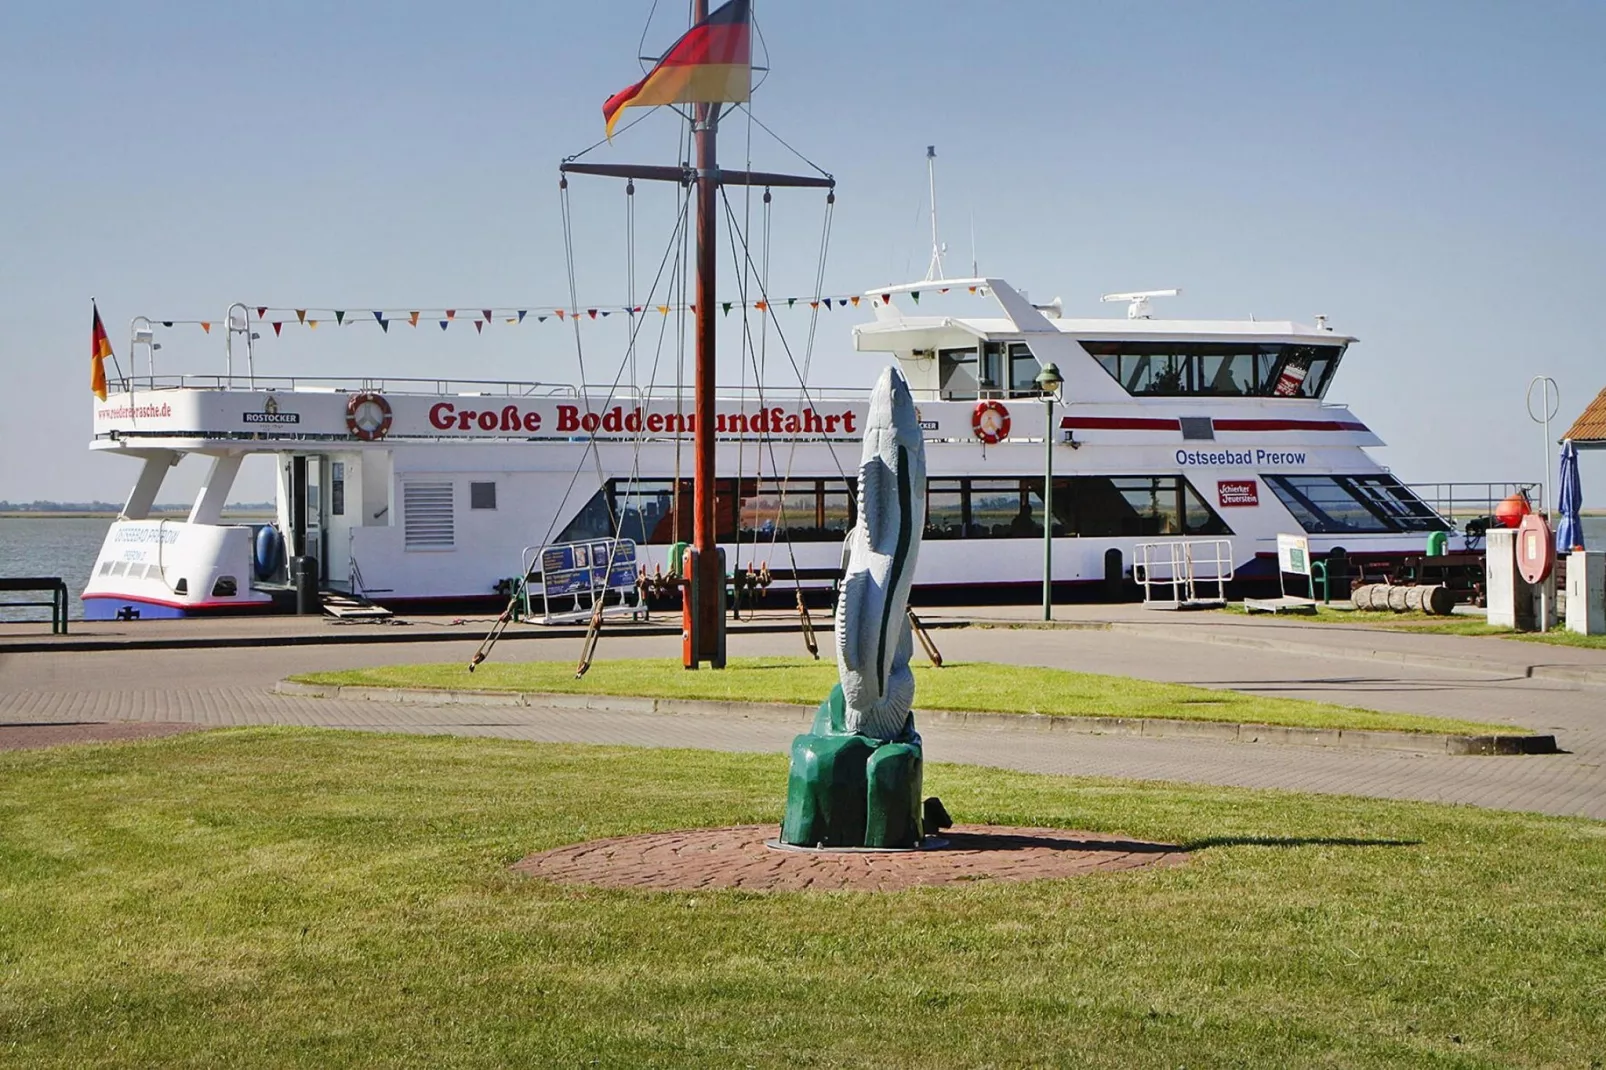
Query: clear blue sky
(1428, 175)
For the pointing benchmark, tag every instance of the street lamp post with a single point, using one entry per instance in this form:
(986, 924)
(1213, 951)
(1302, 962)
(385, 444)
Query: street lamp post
(1048, 381)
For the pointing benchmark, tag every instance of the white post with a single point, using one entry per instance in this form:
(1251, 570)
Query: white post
(1546, 385)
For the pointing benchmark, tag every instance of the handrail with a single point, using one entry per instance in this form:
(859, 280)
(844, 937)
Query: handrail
(1186, 568)
(387, 385)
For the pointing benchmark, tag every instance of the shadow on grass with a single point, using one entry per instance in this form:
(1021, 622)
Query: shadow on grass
(1292, 841)
(1004, 841)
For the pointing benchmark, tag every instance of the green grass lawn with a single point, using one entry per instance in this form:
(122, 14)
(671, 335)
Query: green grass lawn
(1456, 625)
(972, 686)
(291, 897)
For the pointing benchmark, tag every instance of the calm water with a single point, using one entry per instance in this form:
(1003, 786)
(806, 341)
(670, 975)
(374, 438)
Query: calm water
(67, 547)
(49, 546)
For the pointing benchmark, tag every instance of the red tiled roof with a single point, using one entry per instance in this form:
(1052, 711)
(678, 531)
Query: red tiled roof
(1590, 426)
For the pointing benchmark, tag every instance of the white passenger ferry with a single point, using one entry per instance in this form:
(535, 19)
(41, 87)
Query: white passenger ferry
(413, 493)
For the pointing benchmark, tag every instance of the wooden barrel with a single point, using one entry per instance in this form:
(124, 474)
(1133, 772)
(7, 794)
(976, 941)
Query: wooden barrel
(1362, 596)
(1413, 599)
(1396, 598)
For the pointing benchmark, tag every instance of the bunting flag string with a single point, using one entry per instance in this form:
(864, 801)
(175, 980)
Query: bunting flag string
(277, 318)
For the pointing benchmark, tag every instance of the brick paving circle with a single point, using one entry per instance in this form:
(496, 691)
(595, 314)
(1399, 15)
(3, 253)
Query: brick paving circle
(737, 858)
(29, 736)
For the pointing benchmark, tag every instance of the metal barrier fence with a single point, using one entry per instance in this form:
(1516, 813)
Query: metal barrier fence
(1183, 573)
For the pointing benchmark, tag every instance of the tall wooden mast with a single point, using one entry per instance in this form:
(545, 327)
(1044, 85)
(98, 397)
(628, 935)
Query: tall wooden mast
(703, 598)
(703, 590)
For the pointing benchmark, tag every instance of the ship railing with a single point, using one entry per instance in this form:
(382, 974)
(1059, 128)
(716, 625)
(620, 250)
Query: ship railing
(332, 384)
(1457, 503)
(1183, 573)
(772, 395)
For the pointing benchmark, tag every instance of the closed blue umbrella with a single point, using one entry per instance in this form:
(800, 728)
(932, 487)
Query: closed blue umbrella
(1569, 500)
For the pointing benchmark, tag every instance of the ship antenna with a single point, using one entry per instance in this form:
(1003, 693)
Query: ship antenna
(934, 269)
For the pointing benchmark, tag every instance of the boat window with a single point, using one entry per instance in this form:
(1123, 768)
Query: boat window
(225, 587)
(945, 509)
(482, 495)
(1217, 369)
(647, 511)
(1004, 509)
(957, 372)
(824, 510)
(1330, 505)
(337, 488)
(1023, 369)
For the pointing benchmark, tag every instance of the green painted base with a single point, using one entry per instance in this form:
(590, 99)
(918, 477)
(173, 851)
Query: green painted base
(848, 790)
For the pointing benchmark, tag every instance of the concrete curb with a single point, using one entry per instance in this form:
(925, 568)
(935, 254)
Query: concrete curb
(374, 633)
(1462, 662)
(1148, 728)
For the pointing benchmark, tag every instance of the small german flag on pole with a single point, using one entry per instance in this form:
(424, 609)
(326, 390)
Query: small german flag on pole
(711, 63)
(100, 347)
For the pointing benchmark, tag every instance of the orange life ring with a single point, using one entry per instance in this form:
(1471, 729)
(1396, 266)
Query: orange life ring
(368, 416)
(990, 421)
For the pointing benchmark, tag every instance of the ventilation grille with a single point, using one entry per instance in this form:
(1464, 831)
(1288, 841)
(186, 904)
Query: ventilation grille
(427, 516)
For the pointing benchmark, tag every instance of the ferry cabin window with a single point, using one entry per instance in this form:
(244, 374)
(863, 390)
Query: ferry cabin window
(482, 495)
(1002, 369)
(651, 513)
(1334, 505)
(337, 488)
(957, 373)
(1084, 506)
(823, 510)
(1217, 369)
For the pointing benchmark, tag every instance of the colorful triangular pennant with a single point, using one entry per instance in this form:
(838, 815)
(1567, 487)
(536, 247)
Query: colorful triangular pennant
(278, 326)
(340, 317)
(301, 315)
(412, 317)
(205, 326)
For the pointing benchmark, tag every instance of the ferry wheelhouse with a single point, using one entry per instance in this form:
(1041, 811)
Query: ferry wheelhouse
(412, 493)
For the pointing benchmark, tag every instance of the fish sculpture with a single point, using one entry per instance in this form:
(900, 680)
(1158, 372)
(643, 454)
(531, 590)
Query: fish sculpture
(855, 777)
(873, 640)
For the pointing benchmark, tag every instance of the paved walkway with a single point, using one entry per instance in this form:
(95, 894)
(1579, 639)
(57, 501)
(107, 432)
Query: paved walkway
(1478, 678)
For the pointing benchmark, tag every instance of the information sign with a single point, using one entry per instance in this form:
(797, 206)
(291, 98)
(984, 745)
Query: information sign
(1293, 554)
(573, 568)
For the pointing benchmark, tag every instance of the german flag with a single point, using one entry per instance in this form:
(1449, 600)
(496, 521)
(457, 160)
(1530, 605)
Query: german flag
(712, 63)
(100, 347)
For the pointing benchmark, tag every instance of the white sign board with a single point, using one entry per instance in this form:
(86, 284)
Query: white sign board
(1293, 554)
